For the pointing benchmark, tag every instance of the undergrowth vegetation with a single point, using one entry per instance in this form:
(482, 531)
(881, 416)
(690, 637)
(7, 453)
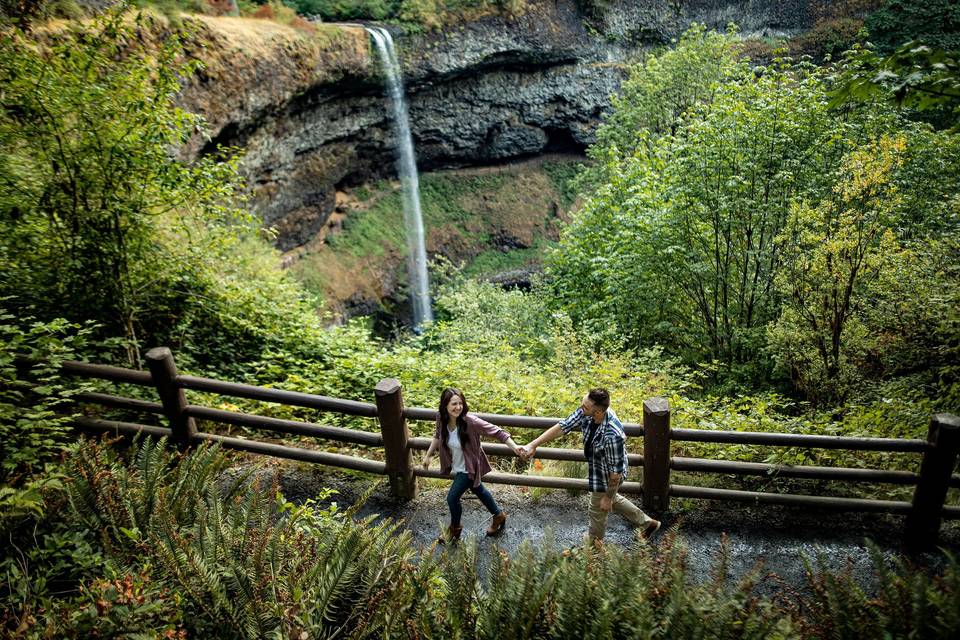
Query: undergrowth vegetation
(165, 545)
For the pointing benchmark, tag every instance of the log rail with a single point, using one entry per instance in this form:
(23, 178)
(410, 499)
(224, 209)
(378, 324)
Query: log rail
(939, 451)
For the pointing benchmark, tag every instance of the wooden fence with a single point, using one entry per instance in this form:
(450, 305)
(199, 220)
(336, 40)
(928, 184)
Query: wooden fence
(923, 515)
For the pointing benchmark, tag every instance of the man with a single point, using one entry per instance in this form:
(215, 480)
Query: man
(604, 445)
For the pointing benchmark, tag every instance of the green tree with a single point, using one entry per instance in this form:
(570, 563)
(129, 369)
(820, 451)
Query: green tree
(683, 243)
(936, 22)
(87, 177)
(660, 91)
(836, 255)
(915, 76)
(679, 246)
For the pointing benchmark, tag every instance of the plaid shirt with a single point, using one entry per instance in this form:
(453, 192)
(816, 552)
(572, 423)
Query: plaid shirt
(609, 446)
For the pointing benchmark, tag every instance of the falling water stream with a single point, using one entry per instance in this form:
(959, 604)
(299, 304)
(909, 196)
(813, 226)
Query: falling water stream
(409, 181)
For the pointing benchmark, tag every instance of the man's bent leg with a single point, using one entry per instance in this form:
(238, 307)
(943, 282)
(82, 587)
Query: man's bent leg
(630, 511)
(598, 518)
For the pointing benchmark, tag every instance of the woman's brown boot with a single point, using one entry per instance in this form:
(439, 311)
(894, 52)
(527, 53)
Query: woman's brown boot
(497, 524)
(453, 534)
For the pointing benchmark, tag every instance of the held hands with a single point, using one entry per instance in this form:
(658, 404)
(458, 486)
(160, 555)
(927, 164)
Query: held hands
(426, 461)
(526, 451)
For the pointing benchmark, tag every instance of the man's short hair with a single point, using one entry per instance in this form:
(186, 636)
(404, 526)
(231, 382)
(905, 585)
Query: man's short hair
(600, 397)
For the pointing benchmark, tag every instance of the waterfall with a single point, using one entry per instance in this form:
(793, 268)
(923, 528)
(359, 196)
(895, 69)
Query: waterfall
(409, 181)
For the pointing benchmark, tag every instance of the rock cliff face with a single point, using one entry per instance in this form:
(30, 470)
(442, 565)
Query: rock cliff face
(310, 109)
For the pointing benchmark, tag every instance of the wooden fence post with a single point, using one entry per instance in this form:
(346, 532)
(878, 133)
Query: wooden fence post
(396, 438)
(656, 454)
(923, 522)
(164, 371)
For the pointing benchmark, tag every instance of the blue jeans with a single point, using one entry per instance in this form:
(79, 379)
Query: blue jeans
(462, 482)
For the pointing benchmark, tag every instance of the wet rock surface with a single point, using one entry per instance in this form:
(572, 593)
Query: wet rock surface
(773, 541)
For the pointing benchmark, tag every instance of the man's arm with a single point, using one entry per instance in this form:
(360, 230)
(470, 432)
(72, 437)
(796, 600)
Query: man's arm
(615, 461)
(613, 484)
(528, 450)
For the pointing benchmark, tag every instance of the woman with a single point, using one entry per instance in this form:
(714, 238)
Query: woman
(458, 439)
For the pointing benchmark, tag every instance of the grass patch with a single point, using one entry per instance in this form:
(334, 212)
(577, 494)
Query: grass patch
(561, 174)
(495, 261)
(484, 219)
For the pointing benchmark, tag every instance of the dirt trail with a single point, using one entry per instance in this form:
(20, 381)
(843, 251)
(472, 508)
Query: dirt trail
(773, 540)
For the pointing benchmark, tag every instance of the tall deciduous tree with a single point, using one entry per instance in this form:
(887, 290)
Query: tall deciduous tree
(87, 173)
(683, 240)
(833, 252)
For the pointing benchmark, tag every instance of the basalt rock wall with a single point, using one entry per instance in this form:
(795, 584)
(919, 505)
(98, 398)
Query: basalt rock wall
(310, 110)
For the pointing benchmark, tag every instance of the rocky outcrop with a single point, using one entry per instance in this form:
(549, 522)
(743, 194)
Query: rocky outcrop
(311, 113)
(659, 22)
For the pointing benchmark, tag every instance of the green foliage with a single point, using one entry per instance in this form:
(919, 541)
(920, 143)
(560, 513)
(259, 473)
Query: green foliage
(915, 76)
(24, 13)
(131, 606)
(485, 315)
(684, 241)
(831, 254)
(221, 559)
(127, 504)
(348, 9)
(493, 261)
(429, 13)
(695, 218)
(936, 22)
(660, 91)
(34, 399)
(562, 175)
(100, 221)
(244, 566)
(907, 602)
(88, 180)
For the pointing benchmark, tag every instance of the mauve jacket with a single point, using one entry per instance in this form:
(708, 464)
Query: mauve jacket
(473, 456)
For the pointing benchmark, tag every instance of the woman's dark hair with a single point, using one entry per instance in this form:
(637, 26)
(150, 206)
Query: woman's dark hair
(445, 397)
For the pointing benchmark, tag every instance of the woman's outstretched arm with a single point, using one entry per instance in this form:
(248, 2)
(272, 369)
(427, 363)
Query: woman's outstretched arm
(434, 445)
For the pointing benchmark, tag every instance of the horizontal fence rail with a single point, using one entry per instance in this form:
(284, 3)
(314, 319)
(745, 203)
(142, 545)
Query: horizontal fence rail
(520, 422)
(294, 427)
(107, 372)
(295, 398)
(819, 502)
(800, 440)
(806, 472)
(939, 451)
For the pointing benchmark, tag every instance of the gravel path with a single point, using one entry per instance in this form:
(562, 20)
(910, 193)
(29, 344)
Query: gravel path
(774, 540)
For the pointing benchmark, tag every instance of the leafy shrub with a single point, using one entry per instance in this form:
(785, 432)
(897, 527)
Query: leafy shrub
(935, 22)
(907, 602)
(86, 142)
(219, 558)
(685, 235)
(34, 398)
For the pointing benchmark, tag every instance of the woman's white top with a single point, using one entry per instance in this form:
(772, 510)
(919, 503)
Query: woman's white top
(456, 450)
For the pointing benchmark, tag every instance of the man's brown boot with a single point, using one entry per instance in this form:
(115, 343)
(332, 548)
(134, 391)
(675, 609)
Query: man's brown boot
(453, 534)
(496, 526)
